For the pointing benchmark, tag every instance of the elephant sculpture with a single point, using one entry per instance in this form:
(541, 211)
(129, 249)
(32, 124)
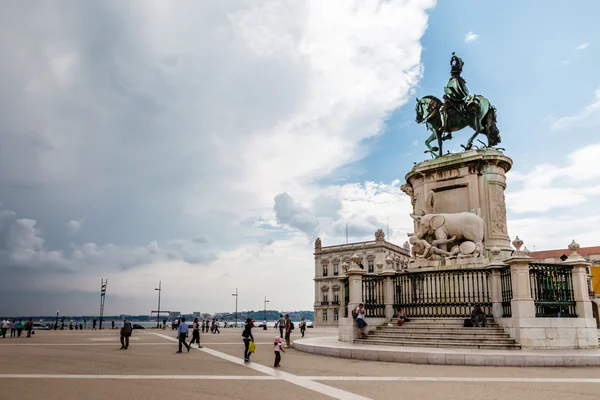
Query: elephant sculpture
(461, 227)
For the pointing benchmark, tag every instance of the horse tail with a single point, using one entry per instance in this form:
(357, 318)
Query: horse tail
(492, 132)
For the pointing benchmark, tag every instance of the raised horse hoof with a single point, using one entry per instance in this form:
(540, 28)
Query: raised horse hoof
(434, 148)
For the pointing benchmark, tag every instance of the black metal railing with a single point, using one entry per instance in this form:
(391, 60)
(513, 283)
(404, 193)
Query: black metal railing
(346, 297)
(335, 303)
(373, 292)
(552, 290)
(506, 288)
(324, 303)
(442, 294)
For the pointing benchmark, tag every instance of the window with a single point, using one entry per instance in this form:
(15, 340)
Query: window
(324, 270)
(325, 315)
(336, 297)
(325, 297)
(336, 315)
(336, 270)
(371, 268)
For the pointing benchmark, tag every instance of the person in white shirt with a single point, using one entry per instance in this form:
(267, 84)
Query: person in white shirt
(182, 332)
(360, 320)
(5, 326)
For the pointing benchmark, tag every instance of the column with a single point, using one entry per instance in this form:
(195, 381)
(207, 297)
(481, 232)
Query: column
(583, 306)
(522, 303)
(494, 282)
(389, 274)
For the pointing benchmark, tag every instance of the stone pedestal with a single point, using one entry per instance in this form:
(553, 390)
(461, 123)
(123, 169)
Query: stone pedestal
(469, 181)
(347, 330)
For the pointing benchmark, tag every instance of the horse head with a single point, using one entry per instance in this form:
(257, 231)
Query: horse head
(425, 107)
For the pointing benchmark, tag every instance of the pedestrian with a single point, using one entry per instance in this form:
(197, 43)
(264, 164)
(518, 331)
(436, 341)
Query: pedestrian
(265, 325)
(247, 338)
(13, 329)
(302, 326)
(94, 324)
(19, 327)
(113, 325)
(217, 327)
(360, 320)
(29, 327)
(196, 333)
(126, 331)
(182, 332)
(203, 326)
(280, 324)
(277, 352)
(5, 326)
(289, 327)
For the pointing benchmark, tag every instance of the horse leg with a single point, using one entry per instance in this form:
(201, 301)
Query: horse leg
(470, 141)
(440, 141)
(428, 144)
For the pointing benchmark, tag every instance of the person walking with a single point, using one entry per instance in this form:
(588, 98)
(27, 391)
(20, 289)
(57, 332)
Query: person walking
(13, 329)
(19, 327)
(247, 338)
(126, 331)
(5, 327)
(203, 326)
(182, 332)
(302, 326)
(277, 352)
(217, 327)
(29, 327)
(94, 324)
(196, 333)
(280, 324)
(112, 325)
(289, 326)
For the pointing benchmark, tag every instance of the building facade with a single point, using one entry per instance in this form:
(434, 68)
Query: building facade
(331, 263)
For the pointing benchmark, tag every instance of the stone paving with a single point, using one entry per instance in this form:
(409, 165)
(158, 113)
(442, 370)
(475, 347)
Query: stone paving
(89, 365)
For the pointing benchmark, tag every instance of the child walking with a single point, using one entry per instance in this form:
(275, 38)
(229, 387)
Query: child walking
(277, 351)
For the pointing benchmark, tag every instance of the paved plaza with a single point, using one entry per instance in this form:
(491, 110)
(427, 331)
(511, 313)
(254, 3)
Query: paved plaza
(74, 364)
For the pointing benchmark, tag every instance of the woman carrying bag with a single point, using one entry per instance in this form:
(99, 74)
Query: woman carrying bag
(248, 339)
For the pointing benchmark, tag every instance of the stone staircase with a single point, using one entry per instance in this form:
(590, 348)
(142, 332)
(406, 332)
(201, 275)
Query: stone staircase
(441, 332)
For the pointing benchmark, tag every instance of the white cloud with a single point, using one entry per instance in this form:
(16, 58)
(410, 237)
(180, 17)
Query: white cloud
(471, 37)
(589, 114)
(74, 226)
(564, 63)
(187, 119)
(582, 46)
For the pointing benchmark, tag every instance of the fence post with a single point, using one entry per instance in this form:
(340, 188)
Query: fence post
(347, 331)
(522, 304)
(583, 306)
(389, 274)
(494, 282)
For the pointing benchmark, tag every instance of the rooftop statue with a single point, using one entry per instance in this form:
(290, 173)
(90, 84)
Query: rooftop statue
(458, 110)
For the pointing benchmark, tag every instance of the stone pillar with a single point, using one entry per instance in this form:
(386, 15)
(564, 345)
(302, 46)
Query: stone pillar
(522, 303)
(468, 181)
(494, 283)
(347, 326)
(580, 288)
(389, 273)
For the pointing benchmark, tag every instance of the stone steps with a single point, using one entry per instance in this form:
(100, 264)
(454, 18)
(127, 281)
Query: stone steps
(441, 332)
(441, 344)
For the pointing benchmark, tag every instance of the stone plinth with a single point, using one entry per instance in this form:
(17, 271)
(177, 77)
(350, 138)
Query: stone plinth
(469, 181)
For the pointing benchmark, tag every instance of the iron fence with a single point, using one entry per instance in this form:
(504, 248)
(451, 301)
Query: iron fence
(552, 290)
(442, 294)
(346, 296)
(506, 288)
(373, 287)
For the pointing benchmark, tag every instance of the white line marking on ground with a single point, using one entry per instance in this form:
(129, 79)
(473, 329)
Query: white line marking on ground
(452, 379)
(116, 343)
(139, 377)
(296, 380)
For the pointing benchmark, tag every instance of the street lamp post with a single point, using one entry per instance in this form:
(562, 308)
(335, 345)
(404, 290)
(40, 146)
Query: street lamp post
(266, 301)
(158, 313)
(56, 324)
(236, 301)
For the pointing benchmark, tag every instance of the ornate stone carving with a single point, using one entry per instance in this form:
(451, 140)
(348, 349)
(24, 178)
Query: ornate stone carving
(324, 288)
(408, 189)
(318, 244)
(457, 229)
(498, 209)
(379, 235)
(573, 247)
(518, 243)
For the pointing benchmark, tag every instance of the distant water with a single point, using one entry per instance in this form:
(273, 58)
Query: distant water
(152, 324)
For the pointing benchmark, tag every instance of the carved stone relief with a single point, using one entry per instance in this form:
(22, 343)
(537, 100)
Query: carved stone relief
(497, 209)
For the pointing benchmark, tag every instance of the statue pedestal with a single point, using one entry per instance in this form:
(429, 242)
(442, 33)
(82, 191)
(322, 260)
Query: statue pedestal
(471, 181)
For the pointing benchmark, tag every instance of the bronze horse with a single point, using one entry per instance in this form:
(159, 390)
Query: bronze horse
(480, 115)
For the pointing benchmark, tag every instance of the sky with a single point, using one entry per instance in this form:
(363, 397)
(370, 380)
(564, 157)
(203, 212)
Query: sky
(207, 145)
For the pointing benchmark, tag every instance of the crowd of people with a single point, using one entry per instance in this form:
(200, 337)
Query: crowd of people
(16, 328)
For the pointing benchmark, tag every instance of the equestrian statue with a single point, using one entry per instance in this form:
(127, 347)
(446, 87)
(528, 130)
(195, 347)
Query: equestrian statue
(458, 110)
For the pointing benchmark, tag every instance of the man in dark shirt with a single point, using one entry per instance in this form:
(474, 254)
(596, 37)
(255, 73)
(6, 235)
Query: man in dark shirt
(125, 334)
